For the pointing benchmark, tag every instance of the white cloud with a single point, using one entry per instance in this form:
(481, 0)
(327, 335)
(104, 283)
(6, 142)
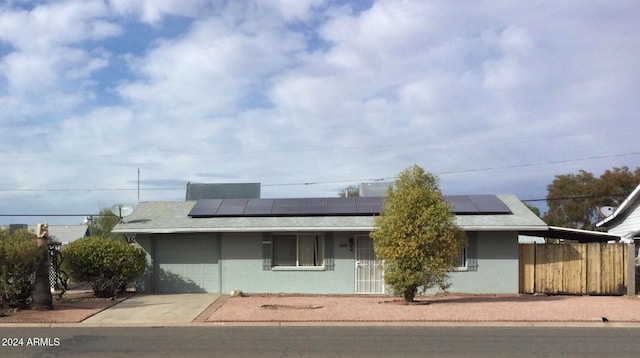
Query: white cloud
(60, 23)
(46, 70)
(153, 11)
(313, 91)
(294, 11)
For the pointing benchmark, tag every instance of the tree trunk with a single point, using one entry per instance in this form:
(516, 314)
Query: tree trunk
(409, 294)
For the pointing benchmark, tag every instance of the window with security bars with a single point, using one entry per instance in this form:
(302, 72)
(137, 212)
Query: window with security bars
(467, 259)
(298, 250)
(461, 260)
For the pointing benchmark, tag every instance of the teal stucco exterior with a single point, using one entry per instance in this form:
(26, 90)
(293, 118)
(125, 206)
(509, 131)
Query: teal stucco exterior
(497, 265)
(222, 262)
(242, 269)
(234, 261)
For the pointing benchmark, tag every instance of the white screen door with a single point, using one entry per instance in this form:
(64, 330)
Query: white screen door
(368, 268)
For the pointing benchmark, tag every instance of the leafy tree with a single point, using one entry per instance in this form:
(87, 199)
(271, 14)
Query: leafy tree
(534, 209)
(574, 199)
(107, 264)
(19, 258)
(102, 225)
(350, 191)
(416, 235)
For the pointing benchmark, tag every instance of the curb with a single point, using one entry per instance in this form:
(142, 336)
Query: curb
(434, 324)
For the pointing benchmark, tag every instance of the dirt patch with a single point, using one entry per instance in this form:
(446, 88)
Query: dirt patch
(404, 303)
(437, 308)
(69, 309)
(290, 307)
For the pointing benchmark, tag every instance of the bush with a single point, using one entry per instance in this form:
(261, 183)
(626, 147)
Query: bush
(107, 264)
(19, 259)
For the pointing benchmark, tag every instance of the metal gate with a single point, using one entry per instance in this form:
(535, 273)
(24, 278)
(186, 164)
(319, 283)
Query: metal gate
(369, 274)
(57, 278)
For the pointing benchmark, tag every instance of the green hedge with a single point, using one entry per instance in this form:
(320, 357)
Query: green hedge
(19, 259)
(107, 264)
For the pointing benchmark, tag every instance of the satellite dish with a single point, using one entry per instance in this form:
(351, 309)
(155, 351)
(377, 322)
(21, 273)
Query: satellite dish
(606, 210)
(121, 210)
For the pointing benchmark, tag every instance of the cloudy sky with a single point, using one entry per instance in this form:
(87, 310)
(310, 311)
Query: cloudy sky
(308, 96)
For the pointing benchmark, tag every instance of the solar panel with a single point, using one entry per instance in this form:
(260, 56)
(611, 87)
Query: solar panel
(489, 204)
(460, 204)
(313, 206)
(341, 206)
(286, 207)
(232, 207)
(205, 208)
(369, 205)
(258, 207)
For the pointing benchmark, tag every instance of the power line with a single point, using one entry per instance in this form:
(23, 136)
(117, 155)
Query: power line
(540, 163)
(88, 189)
(50, 215)
(578, 197)
(307, 183)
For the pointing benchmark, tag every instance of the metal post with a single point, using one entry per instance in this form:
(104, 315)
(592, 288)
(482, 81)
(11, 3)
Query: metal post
(631, 269)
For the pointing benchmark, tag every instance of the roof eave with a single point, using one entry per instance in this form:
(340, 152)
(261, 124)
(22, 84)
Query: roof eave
(304, 228)
(623, 207)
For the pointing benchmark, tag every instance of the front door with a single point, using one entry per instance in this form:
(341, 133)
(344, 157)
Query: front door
(368, 267)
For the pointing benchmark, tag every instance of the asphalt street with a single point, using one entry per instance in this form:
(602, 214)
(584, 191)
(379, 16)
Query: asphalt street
(329, 341)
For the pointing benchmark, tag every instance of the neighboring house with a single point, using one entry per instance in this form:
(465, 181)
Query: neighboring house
(59, 233)
(65, 233)
(625, 220)
(313, 245)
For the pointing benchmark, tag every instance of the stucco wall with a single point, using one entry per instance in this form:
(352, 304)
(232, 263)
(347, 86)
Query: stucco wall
(241, 269)
(144, 283)
(497, 266)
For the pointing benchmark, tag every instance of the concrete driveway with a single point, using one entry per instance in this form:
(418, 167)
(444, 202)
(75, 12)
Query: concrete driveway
(154, 310)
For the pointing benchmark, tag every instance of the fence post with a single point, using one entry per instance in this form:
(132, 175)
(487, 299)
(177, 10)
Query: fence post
(631, 269)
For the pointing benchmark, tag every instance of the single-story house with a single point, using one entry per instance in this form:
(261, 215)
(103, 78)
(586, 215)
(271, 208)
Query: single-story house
(312, 245)
(63, 234)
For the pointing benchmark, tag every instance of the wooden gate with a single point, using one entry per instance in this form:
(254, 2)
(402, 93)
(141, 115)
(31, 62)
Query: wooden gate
(574, 269)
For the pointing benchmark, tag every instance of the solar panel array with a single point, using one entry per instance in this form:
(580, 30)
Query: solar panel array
(357, 206)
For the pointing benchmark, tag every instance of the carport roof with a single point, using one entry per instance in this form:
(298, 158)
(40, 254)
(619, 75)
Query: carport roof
(173, 217)
(554, 232)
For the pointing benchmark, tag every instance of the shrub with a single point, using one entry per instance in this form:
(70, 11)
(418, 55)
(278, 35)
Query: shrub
(19, 259)
(107, 264)
(416, 235)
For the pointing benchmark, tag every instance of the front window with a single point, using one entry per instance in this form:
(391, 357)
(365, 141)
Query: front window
(459, 262)
(462, 260)
(298, 250)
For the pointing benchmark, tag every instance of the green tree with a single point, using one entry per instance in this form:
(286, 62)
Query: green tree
(574, 199)
(19, 258)
(416, 235)
(350, 191)
(107, 264)
(102, 224)
(534, 209)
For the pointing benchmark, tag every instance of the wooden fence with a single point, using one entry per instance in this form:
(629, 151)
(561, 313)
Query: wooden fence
(574, 269)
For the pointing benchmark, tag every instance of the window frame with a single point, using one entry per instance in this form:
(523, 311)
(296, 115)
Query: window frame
(469, 253)
(298, 267)
(463, 260)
